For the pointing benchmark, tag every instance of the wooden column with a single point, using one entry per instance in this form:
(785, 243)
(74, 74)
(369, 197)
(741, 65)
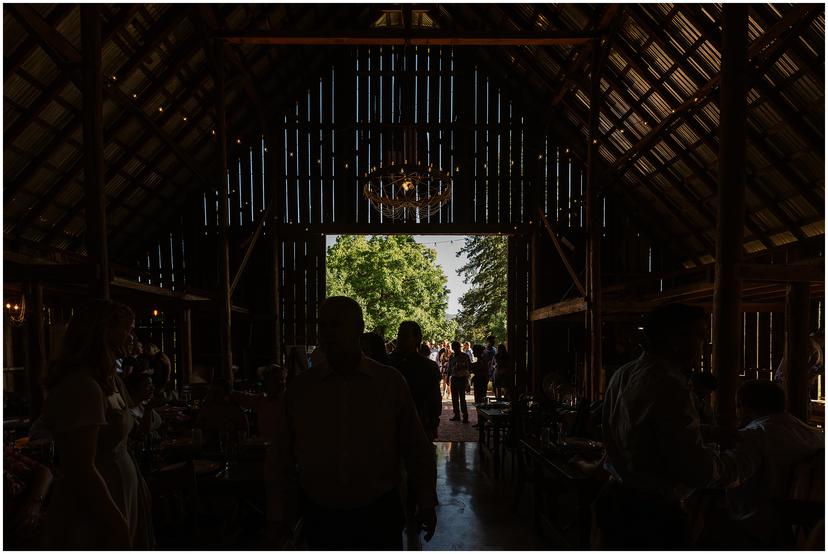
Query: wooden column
(534, 330)
(727, 310)
(224, 299)
(185, 343)
(594, 368)
(36, 347)
(93, 152)
(276, 185)
(797, 322)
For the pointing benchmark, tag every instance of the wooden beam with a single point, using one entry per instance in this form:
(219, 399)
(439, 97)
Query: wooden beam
(797, 304)
(294, 230)
(224, 303)
(185, 345)
(92, 85)
(263, 218)
(782, 273)
(558, 246)
(421, 37)
(693, 102)
(35, 348)
(565, 307)
(594, 366)
(727, 313)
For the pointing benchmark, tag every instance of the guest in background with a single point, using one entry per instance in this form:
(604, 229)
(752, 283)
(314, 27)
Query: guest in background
(480, 370)
(443, 357)
(26, 485)
(489, 353)
(142, 392)
(425, 352)
(348, 423)
(459, 372)
(770, 444)
(220, 413)
(423, 380)
(374, 347)
(504, 373)
(100, 500)
(268, 405)
(651, 432)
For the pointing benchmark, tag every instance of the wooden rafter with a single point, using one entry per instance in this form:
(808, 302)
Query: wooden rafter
(54, 89)
(691, 104)
(420, 37)
(155, 161)
(682, 151)
(181, 57)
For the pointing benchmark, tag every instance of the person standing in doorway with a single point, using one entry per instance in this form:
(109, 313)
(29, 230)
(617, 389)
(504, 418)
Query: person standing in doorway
(459, 371)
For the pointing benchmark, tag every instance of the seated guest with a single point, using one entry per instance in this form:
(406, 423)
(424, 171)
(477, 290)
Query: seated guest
(25, 486)
(651, 432)
(141, 390)
(163, 383)
(770, 444)
(219, 413)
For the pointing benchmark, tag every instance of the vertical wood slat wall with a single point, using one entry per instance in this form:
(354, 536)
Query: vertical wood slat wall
(334, 133)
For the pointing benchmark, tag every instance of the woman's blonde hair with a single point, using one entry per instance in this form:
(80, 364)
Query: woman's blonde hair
(86, 343)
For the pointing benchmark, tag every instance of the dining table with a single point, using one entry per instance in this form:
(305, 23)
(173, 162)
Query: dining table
(493, 421)
(567, 476)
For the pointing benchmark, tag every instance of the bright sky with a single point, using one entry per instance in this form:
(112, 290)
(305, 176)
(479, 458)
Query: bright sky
(447, 247)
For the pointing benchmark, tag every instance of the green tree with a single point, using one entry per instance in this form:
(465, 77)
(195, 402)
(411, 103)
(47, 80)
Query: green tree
(483, 306)
(393, 278)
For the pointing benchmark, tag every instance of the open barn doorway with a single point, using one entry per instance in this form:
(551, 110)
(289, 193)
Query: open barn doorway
(454, 286)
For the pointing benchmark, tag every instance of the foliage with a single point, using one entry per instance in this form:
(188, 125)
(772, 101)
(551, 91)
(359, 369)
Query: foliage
(394, 279)
(483, 306)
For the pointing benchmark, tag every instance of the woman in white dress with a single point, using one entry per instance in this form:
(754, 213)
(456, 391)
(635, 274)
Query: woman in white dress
(100, 500)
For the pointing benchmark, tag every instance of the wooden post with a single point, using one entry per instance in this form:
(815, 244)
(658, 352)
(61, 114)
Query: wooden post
(797, 321)
(185, 343)
(224, 300)
(36, 347)
(93, 182)
(534, 331)
(276, 185)
(727, 311)
(594, 374)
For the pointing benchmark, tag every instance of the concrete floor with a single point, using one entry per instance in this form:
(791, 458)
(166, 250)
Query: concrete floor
(475, 513)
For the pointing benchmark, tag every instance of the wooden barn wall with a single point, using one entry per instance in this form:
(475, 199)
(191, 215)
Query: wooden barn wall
(337, 132)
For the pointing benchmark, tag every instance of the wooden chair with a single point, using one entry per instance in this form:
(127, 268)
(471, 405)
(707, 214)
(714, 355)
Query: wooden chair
(174, 492)
(805, 505)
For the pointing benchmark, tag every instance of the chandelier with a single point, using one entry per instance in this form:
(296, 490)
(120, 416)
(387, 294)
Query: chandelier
(403, 188)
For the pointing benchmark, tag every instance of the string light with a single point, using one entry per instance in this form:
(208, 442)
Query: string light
(135, 96)
(155, 312)
(238, 141)
(160, 108)
(184, 118)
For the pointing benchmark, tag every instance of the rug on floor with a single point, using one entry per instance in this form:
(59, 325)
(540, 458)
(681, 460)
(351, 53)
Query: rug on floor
(457, 431)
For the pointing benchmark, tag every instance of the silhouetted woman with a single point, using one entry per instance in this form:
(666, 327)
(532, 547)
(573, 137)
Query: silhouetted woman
(100, 500)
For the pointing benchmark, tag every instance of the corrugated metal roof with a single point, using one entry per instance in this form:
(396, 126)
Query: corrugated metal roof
(662, 55)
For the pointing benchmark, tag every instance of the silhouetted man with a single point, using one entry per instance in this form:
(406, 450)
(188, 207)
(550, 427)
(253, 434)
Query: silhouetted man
(348, 423)
(651, 432)
(423, 378)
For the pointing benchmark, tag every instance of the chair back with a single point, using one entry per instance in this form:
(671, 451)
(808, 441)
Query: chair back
(174, 491)
(806, 499)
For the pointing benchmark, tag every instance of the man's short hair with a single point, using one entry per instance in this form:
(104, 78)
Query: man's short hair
(411, 327)
(761, 397)
(490, 339)
(671, 320)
